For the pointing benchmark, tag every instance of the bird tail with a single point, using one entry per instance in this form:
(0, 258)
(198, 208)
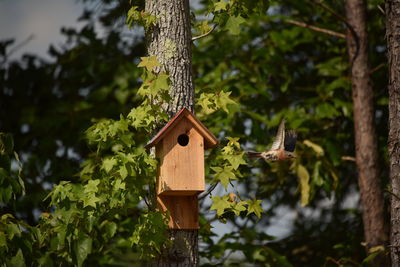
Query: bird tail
(253, 154)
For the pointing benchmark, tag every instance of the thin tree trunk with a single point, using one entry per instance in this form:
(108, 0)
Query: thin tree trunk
(393, 41)
(170, 41)
(364, 127)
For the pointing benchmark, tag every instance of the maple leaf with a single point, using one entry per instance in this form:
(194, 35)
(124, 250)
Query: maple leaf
(91, 186)
(224, 175)
(238, 207)
(221, 5)
(123, 171)
(234, 141)
(254, 206)
(204, 27)
(90, 200)
(205, 103)
(233, 24)
(224, 100)
(220, 204)
(108, 164)
(235, 160)
(149, 63)
(159, 84)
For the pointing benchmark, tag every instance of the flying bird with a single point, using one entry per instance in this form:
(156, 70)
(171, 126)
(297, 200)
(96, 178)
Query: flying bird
(282, 148)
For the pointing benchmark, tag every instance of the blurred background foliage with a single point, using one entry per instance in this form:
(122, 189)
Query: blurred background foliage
(272, 68)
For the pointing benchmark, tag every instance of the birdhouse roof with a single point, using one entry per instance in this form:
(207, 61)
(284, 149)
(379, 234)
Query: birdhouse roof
(209, 139)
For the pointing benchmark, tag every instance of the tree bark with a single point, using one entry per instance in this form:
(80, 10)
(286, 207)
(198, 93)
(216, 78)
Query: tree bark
(170, 41)
(393, 43)
(364, 127)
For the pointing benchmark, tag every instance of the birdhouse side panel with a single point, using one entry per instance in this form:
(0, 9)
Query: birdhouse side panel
(182, 161)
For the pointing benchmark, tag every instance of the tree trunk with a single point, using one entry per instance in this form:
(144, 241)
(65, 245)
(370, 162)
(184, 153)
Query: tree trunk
(170, 41)
(393, 41)
(372, 200)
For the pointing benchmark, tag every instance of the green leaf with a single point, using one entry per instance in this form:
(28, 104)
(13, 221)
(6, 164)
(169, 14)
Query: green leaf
(3, 241)
(236, 160)
(82, 248)
(373, 252)
(6, 143)
(111, 229)
(12, 230)
(91, 186)
(206, 102)
(160, 83)
(123, 171)
(257, 255)
(234, 141)
(220, 204)
(45, 261)
(326, 110)
(149, 63)
(18, 260)
(238, 207)
(119, 185)
(233, 24)
(224, 175)
(317, 148)
(376, 249)
(332, 67)
(317, 178)
(254, 206)
(221, 5)
(90, 200)
(224, 100)
(108, 164)
(132, 15)
(304, 178)
(204, 27)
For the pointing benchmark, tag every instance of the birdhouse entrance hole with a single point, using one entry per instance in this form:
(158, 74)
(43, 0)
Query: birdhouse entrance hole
(183, 139)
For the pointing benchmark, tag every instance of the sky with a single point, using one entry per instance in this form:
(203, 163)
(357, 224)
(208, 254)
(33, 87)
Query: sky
(20, 19)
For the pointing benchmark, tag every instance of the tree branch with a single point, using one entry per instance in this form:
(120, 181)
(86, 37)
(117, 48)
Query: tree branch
(393, 194)
(208, 191)
(377, 68)
(204, 34)
(349, 158)
(18, 46)
(349, 27)
(317, 29)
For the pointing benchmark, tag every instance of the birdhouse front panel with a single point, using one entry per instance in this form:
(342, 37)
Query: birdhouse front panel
(183, 211)
(181, 154)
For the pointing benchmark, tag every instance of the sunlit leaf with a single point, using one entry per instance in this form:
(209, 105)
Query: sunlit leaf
(304, 178)
(224, 175)
(149, 63)
(317, 148)
(220, 5)
(220, 204)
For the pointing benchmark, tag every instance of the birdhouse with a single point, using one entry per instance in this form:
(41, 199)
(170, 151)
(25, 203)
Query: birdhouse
(180, 148)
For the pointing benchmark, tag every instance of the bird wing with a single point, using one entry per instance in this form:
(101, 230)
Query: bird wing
(290, 141)
(280, 137)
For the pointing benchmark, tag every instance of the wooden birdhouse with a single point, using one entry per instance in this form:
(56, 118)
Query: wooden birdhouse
(180, 148)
